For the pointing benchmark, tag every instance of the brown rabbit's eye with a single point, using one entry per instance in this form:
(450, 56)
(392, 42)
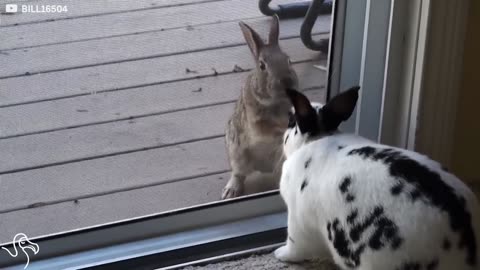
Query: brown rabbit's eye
(262, 65)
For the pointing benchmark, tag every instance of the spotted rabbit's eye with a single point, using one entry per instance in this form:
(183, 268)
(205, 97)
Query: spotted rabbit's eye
(291, 120)
(262, 65)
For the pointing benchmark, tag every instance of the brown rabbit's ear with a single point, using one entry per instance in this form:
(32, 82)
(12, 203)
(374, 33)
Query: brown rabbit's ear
(274, 30)
(340, 108)
(254, 41)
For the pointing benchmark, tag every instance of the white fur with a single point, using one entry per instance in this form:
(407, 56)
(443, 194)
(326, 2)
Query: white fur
(422, 227)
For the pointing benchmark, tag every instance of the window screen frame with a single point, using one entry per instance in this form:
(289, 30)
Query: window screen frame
(362, 53)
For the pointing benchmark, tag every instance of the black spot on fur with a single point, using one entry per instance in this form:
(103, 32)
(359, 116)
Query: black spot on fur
(291, 239)
(431, 187)
(358, 229)
(336, 222)
(446, 245)
(304, 184)
(340, 147)
(385, 231)
(410, 266)
(286, 138)
(375, 241)
(433, 265)
(415, 194)
(341, 243)
(351, 218)
(307, 163)
(357, 253)
(397, 189)
(350, 198)
(296, 130)
(344, 188)
(329, 231)
(364, 151)
(396, 242)
(345, 184)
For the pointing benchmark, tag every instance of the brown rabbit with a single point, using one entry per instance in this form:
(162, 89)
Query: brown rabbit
(254, 132)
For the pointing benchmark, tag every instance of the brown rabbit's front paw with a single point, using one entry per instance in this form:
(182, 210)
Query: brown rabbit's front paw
(232, 189)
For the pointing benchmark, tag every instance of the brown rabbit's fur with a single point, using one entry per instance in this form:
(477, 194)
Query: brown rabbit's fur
(254, 132)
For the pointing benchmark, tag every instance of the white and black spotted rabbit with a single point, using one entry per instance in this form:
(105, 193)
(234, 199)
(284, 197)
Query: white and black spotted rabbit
(370, 206)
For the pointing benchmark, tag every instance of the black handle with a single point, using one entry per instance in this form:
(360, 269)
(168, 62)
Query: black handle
(311, 10)
(316, 8)
(286, 11)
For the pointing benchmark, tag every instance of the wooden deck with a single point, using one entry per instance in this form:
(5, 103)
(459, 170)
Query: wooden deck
(117, 109)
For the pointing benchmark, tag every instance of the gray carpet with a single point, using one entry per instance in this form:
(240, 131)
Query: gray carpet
(263, 262)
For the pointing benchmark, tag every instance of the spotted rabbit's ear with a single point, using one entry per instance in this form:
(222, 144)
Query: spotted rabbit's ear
(305, 115)
(339, 108)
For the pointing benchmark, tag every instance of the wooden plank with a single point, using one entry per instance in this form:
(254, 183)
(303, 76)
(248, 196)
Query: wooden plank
(84, 110)
(119, 172)
(23, 36)
(115, 137)
(86, 8)
(113, 174)
(88, 142)
(135, 73)
(110, 208)
(156, 44)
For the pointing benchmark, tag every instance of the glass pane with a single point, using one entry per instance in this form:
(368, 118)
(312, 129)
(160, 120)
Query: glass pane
(111, 110)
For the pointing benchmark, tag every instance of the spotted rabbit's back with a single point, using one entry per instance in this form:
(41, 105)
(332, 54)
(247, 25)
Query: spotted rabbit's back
(419, 210)
(378, 207)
